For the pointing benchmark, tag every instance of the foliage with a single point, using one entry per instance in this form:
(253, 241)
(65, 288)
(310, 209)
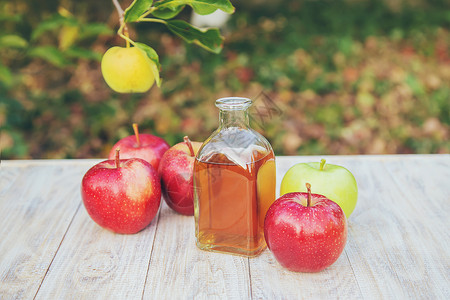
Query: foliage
(163, 12)
(327, 77)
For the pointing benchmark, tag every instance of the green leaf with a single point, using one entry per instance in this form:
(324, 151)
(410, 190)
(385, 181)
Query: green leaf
(50, 54)
(202, 7)
(167, 13)
(94, 30)
(209, 39)
(13, 41)
(151, 53)
(136, 9)
(5, 75)
(10, 17)
(76, 52)
(54, 23)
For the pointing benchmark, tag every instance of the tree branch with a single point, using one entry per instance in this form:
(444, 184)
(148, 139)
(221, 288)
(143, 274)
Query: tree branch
(123, 26)
(119, 9)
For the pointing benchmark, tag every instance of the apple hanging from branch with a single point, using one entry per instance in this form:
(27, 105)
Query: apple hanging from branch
(136, 67)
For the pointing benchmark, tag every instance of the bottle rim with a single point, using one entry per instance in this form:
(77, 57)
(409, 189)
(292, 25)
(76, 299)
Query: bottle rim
(233, 103)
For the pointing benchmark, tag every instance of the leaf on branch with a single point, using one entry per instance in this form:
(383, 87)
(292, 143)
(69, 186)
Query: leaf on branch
(11, 18)
(6, 76)
(167, 13)
(136, 9)
(151, 53)
(76, 52)
(202, 7)
(13, 41)
(51, 24)
(94, 30)
(68, 35)
(50, 54)
(209, 39)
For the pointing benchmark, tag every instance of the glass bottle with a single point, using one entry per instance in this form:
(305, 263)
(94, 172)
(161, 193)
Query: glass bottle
(234, 184)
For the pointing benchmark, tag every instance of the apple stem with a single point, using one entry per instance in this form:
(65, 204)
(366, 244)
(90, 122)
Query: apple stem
(117, 158)
(322, 164)
(189, 144)
(136, 133)
(308, 202)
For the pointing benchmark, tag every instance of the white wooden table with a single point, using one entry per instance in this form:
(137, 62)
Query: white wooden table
(398, 245)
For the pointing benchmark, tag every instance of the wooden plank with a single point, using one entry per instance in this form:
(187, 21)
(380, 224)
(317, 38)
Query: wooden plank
(95, 263)
(366, 245)
(423, 204)
(269, 280)
(394, 251)
(179, 270)
(36, 207)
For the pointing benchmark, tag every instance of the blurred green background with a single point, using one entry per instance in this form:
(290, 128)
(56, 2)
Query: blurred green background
(327, 77)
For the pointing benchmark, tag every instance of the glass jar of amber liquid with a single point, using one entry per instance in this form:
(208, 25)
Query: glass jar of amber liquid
(234, 184)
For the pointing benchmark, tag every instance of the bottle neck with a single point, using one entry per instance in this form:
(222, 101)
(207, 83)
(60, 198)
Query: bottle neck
(233, 118)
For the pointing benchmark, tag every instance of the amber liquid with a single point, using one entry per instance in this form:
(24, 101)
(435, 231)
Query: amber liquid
(232, 201)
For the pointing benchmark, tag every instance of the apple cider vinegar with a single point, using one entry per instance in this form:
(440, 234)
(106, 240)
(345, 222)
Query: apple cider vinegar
(234, 186)
(232, 203)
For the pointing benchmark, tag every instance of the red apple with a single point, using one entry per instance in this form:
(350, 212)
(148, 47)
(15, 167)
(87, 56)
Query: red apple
(146, 146)
(176, 171)
(122, 195)
(305, 232)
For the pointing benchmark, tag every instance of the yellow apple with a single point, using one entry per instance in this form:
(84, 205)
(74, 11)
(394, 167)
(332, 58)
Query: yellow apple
(128, 70)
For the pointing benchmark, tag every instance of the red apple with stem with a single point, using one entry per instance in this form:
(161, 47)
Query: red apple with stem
(176, 170)
(305, 232)
(122, 195)
(146, 146)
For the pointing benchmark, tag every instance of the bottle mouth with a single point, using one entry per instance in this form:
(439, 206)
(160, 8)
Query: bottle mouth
(233, 103)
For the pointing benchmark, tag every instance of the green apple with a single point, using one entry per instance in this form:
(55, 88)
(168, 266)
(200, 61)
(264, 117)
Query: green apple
(334, 182)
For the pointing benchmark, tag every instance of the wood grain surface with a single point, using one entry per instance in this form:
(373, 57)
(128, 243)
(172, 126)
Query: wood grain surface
(398, 244)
